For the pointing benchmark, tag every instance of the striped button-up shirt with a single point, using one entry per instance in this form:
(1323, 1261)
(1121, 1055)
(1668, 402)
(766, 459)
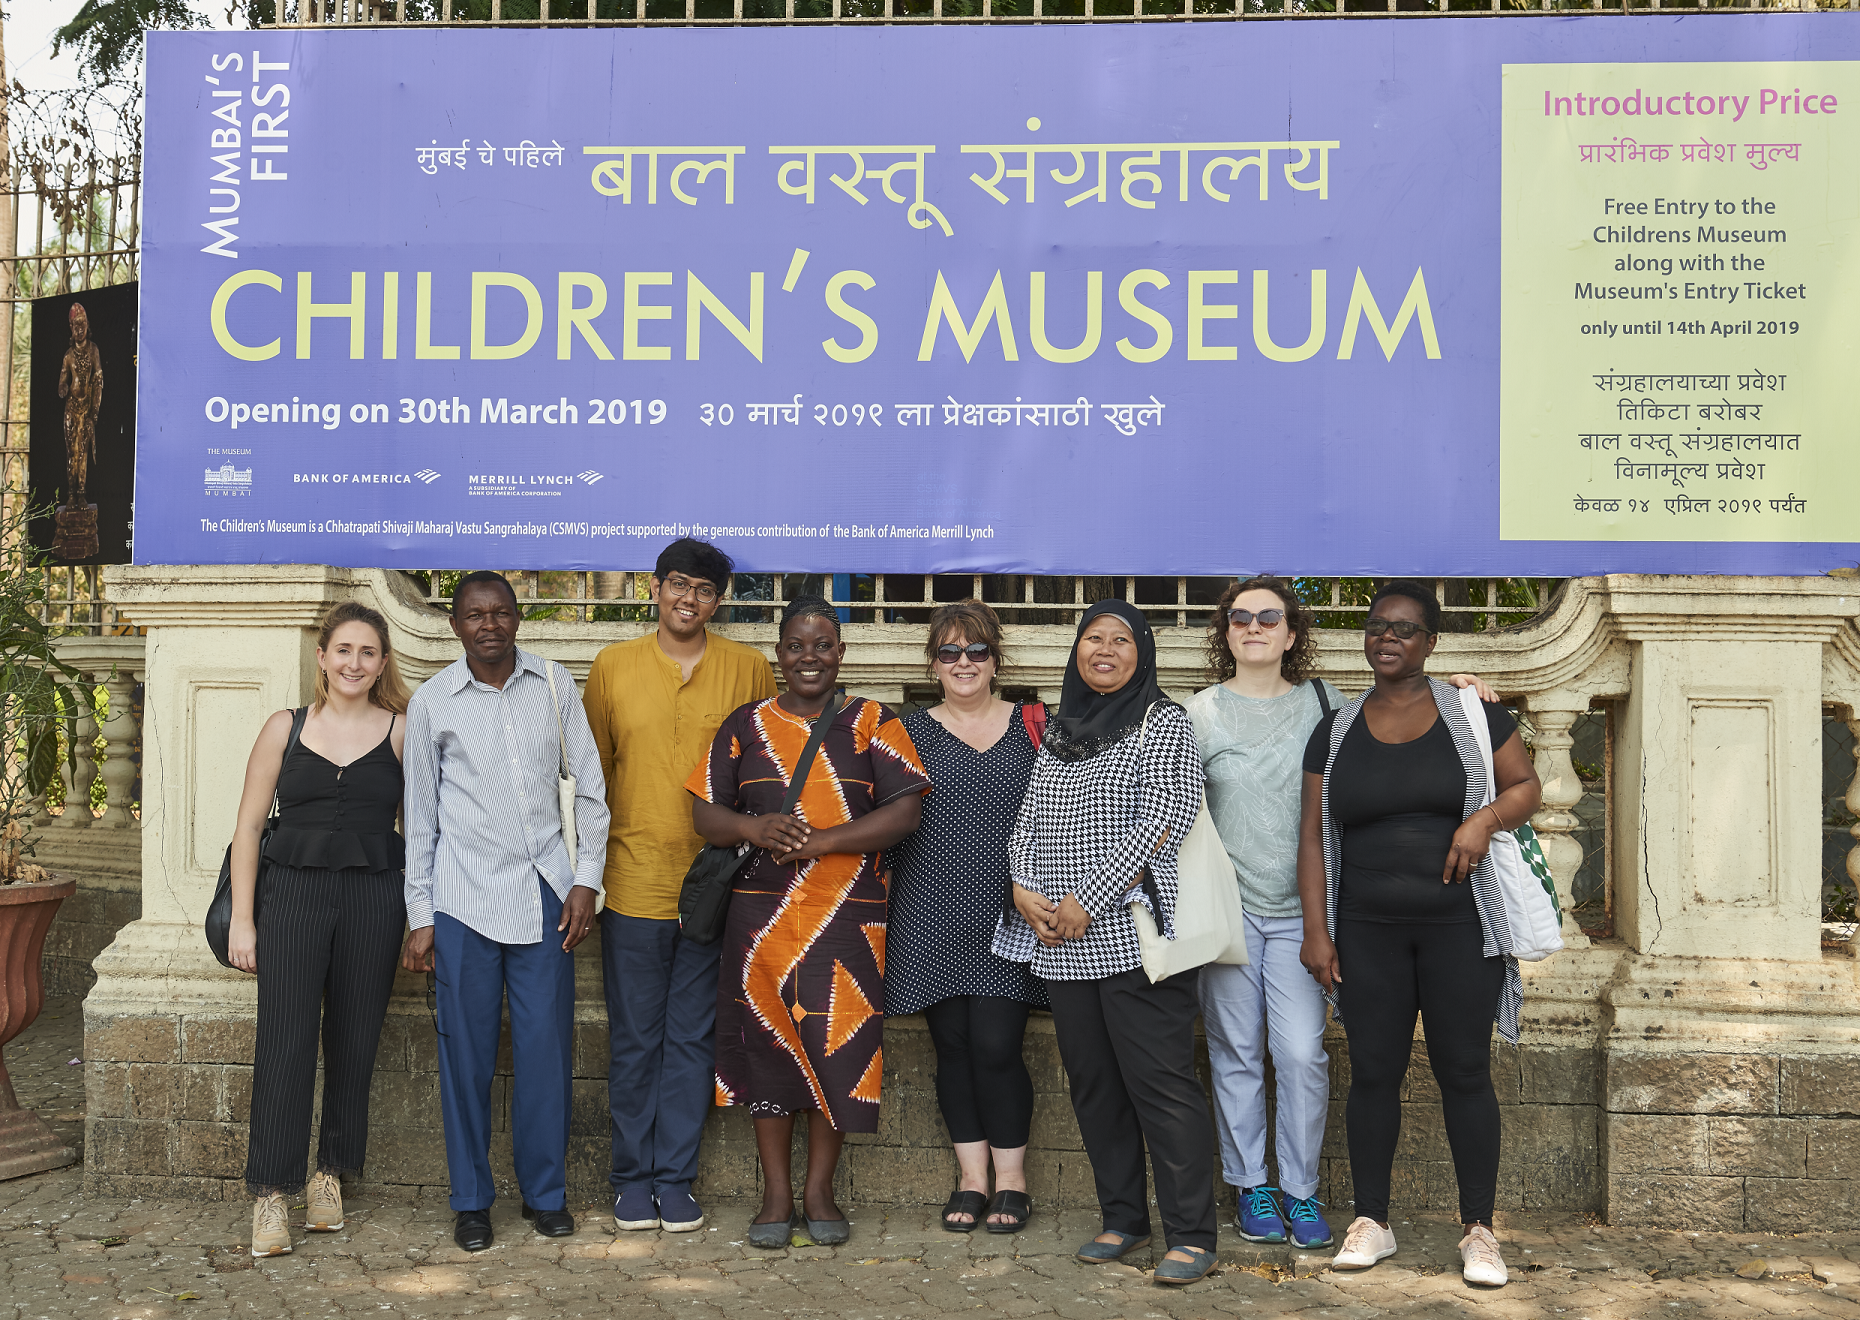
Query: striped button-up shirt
(481, 813)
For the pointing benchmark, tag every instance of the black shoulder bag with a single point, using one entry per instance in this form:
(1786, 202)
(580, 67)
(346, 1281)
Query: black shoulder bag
(219, 912)
(704, 901)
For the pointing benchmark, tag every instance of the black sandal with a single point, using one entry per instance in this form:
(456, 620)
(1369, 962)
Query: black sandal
(1017, 1204)
(972, 1204)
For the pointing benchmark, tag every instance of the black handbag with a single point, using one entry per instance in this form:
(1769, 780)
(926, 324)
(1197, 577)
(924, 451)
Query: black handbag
(704, 901)
(219, 912)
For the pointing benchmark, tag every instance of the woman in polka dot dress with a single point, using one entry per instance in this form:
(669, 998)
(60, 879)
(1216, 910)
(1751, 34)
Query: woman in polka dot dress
(949, 882)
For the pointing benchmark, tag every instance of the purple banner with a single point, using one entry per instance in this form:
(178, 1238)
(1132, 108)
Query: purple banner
(1194, 298)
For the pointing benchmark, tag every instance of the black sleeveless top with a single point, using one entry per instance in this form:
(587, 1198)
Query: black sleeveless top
(339, 817)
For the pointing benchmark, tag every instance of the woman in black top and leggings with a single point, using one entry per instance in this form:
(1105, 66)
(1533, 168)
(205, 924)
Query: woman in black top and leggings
(324, 933)
(1402, 913)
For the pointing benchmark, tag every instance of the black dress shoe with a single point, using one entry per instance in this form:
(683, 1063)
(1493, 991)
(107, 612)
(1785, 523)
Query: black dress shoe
(472, 1231)
(551, 1223)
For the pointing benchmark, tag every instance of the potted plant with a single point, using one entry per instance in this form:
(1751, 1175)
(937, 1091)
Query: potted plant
(39, 696)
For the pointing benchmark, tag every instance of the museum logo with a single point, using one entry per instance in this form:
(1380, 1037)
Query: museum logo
(228, 480)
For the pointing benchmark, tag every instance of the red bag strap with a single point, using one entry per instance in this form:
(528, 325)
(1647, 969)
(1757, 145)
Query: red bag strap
(1033, 715)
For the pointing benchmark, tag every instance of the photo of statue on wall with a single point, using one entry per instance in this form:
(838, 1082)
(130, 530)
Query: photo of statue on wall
(83, 423)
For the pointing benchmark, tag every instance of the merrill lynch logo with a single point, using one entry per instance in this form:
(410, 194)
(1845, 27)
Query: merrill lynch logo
(527, 483)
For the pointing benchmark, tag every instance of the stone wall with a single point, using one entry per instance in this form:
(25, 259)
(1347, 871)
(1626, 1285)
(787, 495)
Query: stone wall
(1693, 1072)
(107, 865)
(162, 1127)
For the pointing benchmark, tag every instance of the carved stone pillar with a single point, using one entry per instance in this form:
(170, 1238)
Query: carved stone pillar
(119, 767)
(77, 784)
(1555, 822)
(111, 663)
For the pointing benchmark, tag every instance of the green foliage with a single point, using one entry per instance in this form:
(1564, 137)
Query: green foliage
(107, 34)
(39, 693)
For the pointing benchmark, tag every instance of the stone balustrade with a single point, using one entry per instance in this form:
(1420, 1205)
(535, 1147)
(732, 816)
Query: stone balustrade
(102, 853)
(1696, 1068)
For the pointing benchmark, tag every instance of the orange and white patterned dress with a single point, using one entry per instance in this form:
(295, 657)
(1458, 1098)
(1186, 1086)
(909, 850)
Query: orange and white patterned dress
(800, 997)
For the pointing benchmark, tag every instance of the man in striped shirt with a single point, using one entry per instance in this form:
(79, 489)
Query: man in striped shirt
(494, 902)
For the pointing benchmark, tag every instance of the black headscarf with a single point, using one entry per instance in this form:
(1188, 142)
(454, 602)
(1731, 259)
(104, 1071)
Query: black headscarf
(1090, 722)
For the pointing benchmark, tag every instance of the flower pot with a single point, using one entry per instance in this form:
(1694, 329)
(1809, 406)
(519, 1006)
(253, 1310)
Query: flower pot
(27, 1145)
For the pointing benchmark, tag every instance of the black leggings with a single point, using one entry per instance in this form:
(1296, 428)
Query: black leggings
(982, 1084)
(1389, 972)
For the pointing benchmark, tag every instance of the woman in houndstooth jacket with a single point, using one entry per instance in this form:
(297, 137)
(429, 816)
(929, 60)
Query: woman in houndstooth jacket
(1114, 792)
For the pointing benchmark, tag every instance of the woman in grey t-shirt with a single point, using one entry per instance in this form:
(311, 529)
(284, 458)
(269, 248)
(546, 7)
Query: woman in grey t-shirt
(1252, 726)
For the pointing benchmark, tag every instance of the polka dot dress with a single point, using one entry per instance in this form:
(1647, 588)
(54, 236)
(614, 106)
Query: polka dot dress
(950, 878)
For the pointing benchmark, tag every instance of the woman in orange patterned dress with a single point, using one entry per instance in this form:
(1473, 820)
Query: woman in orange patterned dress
(800, 1022)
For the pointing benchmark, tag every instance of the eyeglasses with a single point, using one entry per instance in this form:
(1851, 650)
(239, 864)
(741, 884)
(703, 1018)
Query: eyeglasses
(976, 651)
(1402, 628)
(1267, 618)
(683, 586)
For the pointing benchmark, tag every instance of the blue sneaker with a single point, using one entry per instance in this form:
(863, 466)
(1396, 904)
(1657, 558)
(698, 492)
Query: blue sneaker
(1259, 1215)
(1308, 1227)
(679, 1211)
(634, 1208)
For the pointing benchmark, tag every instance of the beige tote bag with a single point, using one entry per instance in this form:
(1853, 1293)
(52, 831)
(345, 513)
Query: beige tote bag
(1210, 924)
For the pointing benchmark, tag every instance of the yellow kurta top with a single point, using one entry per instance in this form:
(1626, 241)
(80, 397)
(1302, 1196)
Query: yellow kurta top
(652, 728)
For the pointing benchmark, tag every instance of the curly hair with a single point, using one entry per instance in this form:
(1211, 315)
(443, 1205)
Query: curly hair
(1295, 664)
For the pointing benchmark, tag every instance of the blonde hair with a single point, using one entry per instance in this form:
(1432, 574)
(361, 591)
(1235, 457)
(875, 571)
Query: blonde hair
(390, 690)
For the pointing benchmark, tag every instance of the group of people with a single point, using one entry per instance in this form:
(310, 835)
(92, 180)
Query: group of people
(973, 861)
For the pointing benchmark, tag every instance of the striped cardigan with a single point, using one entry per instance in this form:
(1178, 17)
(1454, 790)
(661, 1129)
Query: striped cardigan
(1486, 898)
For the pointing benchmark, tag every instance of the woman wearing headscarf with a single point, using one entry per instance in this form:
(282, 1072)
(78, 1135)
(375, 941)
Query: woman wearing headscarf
(800, 1021)
(1113, 794)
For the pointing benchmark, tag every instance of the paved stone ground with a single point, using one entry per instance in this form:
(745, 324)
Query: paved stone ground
(65, 1254)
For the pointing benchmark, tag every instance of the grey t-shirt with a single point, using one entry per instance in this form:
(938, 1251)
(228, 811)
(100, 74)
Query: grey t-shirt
(1252, 750)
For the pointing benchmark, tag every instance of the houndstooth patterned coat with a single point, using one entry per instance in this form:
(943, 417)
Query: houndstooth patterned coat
(1089, 828)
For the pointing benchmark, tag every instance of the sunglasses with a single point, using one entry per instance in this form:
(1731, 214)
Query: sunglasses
(1402, 628)
(976, 651)
(1267, 618)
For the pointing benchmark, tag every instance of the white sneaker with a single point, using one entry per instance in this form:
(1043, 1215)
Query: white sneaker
(1366, 1243)
(1481, 1263)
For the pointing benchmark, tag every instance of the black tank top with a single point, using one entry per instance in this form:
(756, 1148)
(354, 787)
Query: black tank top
(339, 817)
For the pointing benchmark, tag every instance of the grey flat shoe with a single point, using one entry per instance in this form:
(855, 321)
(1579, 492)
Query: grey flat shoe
(1185, 1271)
(1100, 1253)
(775, 1236)
(828, 1232)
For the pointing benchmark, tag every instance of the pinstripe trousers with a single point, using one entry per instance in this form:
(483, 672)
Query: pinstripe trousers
(328, 942)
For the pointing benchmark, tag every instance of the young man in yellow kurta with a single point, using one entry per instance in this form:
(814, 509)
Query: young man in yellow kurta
(654, 704)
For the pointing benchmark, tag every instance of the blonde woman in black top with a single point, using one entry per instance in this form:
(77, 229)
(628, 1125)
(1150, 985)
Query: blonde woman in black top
(324, 934)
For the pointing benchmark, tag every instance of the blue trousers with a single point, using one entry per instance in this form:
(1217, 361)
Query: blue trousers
(471, 975)
(662, 1030)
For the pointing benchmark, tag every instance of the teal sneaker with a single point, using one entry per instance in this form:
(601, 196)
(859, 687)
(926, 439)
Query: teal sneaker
(1308, 1228)
(1260, 1220)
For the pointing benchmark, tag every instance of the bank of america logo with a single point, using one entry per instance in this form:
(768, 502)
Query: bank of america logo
(226, 475)
(589, 477)
(427, 475)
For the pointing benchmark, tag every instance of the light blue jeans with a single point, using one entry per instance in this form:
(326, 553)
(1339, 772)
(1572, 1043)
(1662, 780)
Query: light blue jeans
(1271, 1003)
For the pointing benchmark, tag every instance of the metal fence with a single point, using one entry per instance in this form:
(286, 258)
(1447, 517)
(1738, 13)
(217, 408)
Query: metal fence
(75, 232)
(1467, 604)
